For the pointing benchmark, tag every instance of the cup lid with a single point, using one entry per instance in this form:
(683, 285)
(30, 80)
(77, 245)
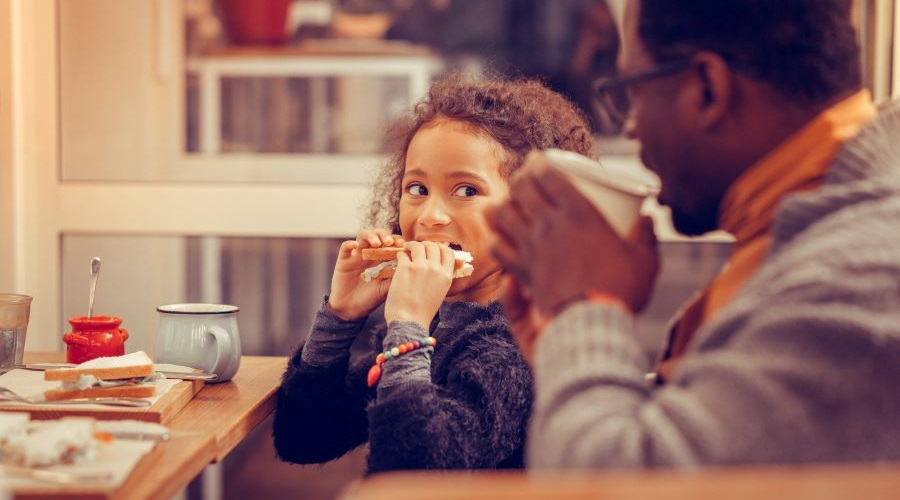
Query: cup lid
(198, 308)
(637, 181)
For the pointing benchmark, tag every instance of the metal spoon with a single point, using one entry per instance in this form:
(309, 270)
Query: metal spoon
(95, 273)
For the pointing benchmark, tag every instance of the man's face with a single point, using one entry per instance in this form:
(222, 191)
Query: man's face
(671, 145)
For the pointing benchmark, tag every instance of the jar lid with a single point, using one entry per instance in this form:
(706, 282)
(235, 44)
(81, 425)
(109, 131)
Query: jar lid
(95, 323)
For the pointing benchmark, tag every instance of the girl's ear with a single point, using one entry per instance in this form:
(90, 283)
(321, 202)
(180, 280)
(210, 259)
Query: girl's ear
(711, 87)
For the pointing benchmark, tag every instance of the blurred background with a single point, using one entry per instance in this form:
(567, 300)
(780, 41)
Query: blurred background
(220, 150)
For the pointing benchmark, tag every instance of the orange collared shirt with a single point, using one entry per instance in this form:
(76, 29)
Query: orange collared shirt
(751, 202)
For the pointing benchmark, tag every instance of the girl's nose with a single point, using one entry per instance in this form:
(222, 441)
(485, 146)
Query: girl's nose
(434, 213)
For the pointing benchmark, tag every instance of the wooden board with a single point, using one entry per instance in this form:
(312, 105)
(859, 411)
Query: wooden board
(161, 411)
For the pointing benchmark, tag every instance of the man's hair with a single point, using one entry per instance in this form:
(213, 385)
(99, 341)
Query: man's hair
(806, 50)
(520, 115)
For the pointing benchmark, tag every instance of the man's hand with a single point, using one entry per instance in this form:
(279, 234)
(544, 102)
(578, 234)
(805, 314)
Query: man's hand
(525, 321)
(559, 247)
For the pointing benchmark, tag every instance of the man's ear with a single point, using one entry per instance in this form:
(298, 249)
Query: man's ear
(714, 88)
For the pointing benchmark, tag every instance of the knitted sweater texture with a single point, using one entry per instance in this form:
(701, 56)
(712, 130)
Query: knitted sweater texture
(802, 366)
(463, 404)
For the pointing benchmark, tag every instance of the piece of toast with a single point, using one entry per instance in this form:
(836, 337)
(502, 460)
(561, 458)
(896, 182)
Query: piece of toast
(122, 391)
(381, 254)
(132, 365)
(104, 373)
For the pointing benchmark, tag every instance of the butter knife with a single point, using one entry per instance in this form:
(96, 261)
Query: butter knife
(171, 375)
(142, 436)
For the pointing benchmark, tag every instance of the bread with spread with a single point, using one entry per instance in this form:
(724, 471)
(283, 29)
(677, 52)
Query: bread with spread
(131, 375)
(387, 263)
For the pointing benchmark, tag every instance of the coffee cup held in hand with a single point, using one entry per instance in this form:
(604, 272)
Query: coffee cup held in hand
(618, 192)
(203, 336)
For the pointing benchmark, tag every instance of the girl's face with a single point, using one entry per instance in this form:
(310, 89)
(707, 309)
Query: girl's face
(451, 176)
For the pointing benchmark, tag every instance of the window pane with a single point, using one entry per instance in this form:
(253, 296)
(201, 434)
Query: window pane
(278, 283)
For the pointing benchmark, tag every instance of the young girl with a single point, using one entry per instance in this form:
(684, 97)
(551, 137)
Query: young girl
(455, 392)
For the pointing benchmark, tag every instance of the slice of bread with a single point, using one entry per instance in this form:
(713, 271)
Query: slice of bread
(121, 391)
(133, 365)
(381, 254)
(122, 372)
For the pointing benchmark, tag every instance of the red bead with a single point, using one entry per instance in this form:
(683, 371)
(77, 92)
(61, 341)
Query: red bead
(417, 344)
(374, 375)
(402, 348)
(379, 359)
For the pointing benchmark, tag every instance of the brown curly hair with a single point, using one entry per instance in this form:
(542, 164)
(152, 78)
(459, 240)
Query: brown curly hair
(521, 115)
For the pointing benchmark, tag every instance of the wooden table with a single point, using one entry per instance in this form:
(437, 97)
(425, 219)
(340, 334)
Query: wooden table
(824, 482)
(204, 432)
(232, 410)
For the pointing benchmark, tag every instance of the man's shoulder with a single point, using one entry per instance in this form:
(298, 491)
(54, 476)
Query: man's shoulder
(866, 223)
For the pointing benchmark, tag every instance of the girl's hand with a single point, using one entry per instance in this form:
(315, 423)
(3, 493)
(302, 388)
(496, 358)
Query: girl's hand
(423, 278)
(351, 297)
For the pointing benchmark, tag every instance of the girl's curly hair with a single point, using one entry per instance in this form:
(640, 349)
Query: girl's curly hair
(521, 115)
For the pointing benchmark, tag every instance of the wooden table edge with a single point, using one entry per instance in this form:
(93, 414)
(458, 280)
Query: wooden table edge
(799, 482)
(202, 450)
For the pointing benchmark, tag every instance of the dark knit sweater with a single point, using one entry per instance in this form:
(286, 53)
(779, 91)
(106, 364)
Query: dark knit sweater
(461, 405)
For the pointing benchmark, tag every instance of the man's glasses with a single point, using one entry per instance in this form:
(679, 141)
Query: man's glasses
(610, 96)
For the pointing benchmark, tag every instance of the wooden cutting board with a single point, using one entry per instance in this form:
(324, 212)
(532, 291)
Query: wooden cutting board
(163, 409)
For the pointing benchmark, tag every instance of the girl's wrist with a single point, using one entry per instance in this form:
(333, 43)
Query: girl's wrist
(342, 313)
(405, 320)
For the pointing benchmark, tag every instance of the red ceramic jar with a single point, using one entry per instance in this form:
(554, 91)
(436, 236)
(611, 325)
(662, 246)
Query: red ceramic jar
(94, 338)
(255, 22)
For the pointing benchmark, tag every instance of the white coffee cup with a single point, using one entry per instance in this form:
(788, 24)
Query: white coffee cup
(616, 190)
(203, 336)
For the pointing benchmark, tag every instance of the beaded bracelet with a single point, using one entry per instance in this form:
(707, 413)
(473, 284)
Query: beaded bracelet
(375, 371)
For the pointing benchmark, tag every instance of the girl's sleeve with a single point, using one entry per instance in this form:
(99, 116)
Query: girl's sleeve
(477, 420)
(320, 413)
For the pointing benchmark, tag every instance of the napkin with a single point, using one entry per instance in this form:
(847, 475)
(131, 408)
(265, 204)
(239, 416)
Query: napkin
(116, 458)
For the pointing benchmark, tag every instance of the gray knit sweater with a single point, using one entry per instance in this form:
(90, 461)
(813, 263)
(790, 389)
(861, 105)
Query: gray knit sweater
(802, 366)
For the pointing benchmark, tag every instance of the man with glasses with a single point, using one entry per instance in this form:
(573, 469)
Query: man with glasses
(753, 115)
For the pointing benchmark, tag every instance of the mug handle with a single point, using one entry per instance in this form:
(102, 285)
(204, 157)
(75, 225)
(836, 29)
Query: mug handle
(223, 347)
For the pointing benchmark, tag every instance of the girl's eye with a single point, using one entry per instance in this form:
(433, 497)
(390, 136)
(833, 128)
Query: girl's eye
(416, 189)
(466, 191)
